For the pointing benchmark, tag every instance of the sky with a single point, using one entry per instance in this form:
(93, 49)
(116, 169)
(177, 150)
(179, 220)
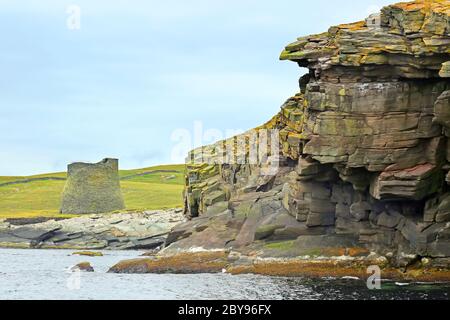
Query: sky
(145, 80)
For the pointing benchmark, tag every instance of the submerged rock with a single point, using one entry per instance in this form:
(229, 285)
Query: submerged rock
(88, 254)
(194, 262)
(83, 266)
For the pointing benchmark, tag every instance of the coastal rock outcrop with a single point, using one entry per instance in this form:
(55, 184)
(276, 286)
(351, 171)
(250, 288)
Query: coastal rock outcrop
(92, 188)
(119, 231)
(358, 160)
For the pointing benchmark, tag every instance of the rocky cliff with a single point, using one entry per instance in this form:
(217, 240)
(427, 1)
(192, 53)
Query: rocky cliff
(363, 163)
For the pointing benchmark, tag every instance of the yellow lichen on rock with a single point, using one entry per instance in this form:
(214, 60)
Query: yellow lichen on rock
(402, 36)
(88, 253)
(194, 262)
(363, 157)
(445, 70)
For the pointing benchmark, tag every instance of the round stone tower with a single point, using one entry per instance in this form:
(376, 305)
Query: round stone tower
(92, 188)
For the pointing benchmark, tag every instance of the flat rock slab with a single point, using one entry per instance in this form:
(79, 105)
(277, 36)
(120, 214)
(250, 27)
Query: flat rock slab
(7, 238)
(34, 234)
(127, 231)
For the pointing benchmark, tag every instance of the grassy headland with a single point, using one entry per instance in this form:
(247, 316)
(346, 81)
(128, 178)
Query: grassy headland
(150, 188)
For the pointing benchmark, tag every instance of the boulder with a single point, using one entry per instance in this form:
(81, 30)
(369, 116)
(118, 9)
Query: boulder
(320, 219)
(83, 266)
(389, 221)
(266, 231)
(200, 262)
(414, 183)
(88, 253)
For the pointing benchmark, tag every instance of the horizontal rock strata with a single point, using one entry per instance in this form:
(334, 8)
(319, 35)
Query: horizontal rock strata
(121, 231)
(363, 155)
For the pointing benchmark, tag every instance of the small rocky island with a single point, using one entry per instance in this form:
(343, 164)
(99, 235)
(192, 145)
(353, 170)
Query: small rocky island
(363, 169)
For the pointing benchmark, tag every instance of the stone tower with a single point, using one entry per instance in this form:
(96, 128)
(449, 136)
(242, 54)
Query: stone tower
(92, 188)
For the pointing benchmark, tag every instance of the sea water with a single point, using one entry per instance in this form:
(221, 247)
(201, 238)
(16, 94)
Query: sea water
(45, 274)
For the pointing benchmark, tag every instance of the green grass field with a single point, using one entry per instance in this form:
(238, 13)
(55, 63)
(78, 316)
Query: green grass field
(143, 189)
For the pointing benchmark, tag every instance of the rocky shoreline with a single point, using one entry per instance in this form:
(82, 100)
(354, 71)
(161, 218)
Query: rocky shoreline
(119, 231)
(155, 231)
(218, 261)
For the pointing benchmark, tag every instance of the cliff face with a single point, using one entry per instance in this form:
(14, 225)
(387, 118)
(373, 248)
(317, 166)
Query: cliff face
(363, 156)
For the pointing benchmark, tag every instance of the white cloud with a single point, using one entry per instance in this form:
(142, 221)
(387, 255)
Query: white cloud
(154, 9)
(374, 8)
(235, 84)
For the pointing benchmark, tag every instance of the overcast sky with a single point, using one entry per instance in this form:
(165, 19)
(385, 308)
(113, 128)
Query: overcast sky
(138, 70)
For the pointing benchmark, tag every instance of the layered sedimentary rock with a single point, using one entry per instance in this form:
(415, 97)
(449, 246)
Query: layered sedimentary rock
(92, 188)
(118, 231)
(363, 155)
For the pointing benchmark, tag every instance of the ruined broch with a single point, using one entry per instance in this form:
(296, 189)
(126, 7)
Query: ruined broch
(92, 188)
